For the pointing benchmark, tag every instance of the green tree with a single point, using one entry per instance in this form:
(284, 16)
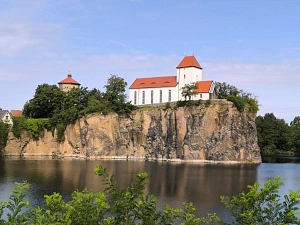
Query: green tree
(114, 96)
(188, 91)
(4, 129)
(223, 90)
(41, 106)
(273, 134)
(295, 132)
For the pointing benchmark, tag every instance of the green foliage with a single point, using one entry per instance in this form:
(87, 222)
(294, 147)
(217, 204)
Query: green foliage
(275, 135)
(263, 206)
(42, 105)
(36, 127)
(60, 128)
(207, 103)
(190, 103)
(131, 205)
(252, 104)
(167, 106)
(18, 125)
(15, 205)
(4, 129)
(64, 108)
(224, 89)
(239, 97)
(239, 102)
(189, 90)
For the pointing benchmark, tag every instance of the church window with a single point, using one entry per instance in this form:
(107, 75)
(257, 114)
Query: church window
(151, 97)
(169, 96)
(135, 97)
(184, 76)
(143, 100)
(160, 96)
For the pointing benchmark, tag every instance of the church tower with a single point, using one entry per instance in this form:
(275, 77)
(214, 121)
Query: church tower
(188, 71)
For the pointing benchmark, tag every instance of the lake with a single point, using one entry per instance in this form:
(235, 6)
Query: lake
(172, 183)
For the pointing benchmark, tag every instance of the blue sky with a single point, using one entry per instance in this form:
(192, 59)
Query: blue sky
(254, 45)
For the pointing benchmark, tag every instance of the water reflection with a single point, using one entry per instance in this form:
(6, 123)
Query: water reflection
(280, 159)
(172, 183)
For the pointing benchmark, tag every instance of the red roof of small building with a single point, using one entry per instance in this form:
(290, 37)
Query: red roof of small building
(189, 61)
(16, 112)
(154, 82)
(69, 80)
(204, 86)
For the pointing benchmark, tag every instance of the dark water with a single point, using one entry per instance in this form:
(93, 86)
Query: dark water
(172, 183)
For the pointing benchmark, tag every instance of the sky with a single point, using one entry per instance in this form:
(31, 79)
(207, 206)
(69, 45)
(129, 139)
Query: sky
(251, 44)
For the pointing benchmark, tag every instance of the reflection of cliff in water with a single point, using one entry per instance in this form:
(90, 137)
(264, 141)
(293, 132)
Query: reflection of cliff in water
(172, 183)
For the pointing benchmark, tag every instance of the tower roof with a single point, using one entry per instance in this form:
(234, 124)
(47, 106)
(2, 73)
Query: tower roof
(69, 80)
(189, 61)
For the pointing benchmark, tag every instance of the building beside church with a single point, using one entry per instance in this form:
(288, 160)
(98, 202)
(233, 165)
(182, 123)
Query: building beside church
(68, 83)
(5, 117)
(154, 90)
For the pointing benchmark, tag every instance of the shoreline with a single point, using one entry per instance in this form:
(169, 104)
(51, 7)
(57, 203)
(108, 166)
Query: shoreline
(125, 158)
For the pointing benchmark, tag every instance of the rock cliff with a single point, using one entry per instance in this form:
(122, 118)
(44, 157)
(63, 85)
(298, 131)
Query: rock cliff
(218, 132)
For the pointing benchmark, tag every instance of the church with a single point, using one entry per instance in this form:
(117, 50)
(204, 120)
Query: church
(155, 90)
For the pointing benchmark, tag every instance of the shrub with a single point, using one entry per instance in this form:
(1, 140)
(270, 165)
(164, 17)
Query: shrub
(167, 105)
(207, 103)
(252, 104)
(238, 101)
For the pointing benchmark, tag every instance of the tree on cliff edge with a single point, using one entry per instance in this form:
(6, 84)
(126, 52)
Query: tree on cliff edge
(115, 93)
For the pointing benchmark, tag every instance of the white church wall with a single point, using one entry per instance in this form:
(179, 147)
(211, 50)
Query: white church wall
(159, 95)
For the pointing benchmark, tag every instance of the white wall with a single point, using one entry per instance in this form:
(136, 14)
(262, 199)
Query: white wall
(156, 95)
(188, 75)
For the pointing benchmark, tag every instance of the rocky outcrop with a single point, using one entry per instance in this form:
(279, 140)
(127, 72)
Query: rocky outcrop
(218, 133)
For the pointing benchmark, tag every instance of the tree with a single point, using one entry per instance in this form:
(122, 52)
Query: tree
(41, 106)
(295, 132)
(224, 89)
(273, 134)
(189, 90)
(115, 93)
(4, 129)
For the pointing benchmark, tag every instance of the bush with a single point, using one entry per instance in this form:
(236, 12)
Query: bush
(167, 106)
(252, 104)
(239, 102)
(207, 103)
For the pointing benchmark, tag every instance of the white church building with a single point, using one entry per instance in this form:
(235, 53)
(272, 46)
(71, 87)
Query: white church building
(154, 90)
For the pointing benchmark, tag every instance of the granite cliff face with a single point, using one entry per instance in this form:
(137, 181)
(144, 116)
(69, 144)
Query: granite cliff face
(218, 132)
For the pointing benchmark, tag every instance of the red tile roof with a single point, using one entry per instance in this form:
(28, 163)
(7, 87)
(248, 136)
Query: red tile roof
(154, 82)
(203, 86)
(69, 80)
(189, 61)
(16, 112)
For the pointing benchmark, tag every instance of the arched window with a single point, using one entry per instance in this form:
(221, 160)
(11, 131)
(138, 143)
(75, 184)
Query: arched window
(143, 100)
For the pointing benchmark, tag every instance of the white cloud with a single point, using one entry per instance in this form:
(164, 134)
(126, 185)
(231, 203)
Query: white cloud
(17, 37)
